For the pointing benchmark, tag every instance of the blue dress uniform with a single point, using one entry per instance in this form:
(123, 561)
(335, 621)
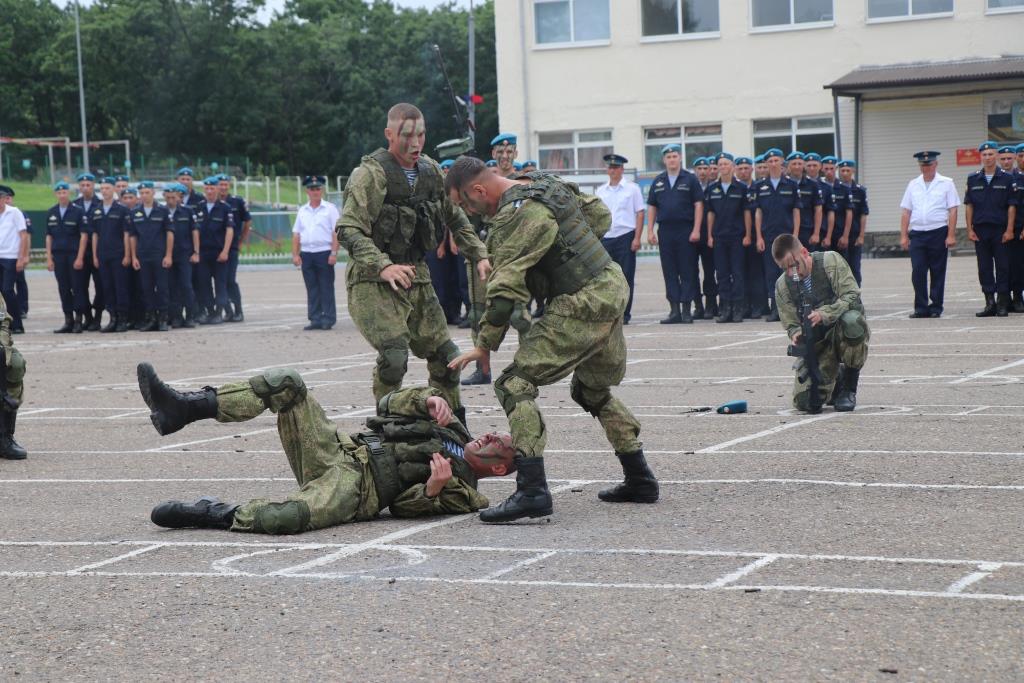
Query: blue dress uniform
(676, 205)
(728, 205)
(190, 197)
(855, 197)
(709, 308)
(776, 202)
(183, 296)
(810, 199)
(241, 215)
(990, 202)
(21, 284)
(150, 229)
(213, 221)
(110, 225)
(1016, 245)
(92, 269)
(753, 267)
(65, 232)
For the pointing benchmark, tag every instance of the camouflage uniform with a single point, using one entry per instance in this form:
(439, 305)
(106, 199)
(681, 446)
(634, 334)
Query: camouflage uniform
(477, 287)
(580, 332)
(381, 225)
(14, 363)
(345, 478)
(843, 335)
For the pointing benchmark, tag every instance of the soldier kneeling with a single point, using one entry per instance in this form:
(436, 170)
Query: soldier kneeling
(415, 458)
(842, 334)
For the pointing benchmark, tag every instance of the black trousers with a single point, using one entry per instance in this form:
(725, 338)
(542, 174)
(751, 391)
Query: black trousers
(993, 259)
(621, 251)
(318, 276)
(928, 257)
(71, 283)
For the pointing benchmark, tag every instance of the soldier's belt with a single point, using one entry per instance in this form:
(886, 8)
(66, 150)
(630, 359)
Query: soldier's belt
(384, 469)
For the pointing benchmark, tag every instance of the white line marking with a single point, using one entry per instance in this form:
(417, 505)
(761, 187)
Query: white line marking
(767, 432)
(522, 563)
(735, 576)
(984, 570)
(112, 560)
(986, 373)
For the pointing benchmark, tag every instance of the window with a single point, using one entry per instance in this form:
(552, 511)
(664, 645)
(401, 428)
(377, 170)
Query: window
(568, 150)
(1005, 5)
(807, 134)
(571, 21)
(678, 17)
(697, 141)
(906, 9)
(769, 13)
(1005, 118)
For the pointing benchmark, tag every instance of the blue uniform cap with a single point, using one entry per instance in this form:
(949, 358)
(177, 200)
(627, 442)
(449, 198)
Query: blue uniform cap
(812, 156)
(724, 155)
(700, 161)
(174, 187)
(988, 144)
(61, 186)
(732, 407)
(314, 181)
(129, 190)
(108, 180)
(447, 163)
(615, 160)
(671, 148)
(6, 191)
(211, 180)
(185, 170)
(222, 177)
(492, 163)
(86, 176)
(759, 159)
(517, 166)
(1007, 149)
(744, 161)
(829, 159)
(926, 157)
(504, 138)
(531, 162)
(119, 178)
(796, 155)
(146, 185)
(847, 163)
(773, 152)
(1020, 148)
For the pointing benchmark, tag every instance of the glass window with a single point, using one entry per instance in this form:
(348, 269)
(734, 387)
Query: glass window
(1005, 117)
(567, 150)
(675, 17)
(807, 134)
(1005, 4)
(696, 141)
(655, 139)
(786, 12)
(571, 21)
(886, 9)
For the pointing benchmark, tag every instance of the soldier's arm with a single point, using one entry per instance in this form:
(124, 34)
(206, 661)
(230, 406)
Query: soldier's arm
(457, 497)
(364, 198)
(843, 284)
(463, 234)
(788, 315)
(598, 216)
(411, 402)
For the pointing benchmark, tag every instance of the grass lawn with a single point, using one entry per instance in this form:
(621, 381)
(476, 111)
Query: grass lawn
(31, 196)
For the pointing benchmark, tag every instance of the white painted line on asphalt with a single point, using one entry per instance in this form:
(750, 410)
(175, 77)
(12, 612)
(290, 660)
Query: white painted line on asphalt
(112, 560)
(735, 576)
(985, 569)
(769, 337)
(767, 432)
(860, 451)
(986, 373)
(966, 413)
(522, 563)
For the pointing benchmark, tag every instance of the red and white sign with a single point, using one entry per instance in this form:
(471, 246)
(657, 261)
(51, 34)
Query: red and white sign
(968, 156)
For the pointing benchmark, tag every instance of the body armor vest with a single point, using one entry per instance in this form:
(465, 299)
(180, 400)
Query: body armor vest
(822, 293)
(410, 223)
(577, 255)
(401, 448)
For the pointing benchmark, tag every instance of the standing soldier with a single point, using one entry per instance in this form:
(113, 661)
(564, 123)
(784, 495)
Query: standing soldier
(991, 203)
(12, 374)
(676, 203)
(776, 204)
(812, 169)
(185, 257)
(21, 286)
(88, 201)
(395, 211)
(828, 169)
(1016, 245)
(753, 270)
(851, 240)
(120, 184)
(928, 231)
(708, 307)
(315, 249)
(216, 230)
(109, 228)
(191, 197)
(243, 223)
(626, 203)
(13, 240)
(65, 225)
(728, 236)
(152, 245)
(810, 201)
(760, 167)
(504, 151)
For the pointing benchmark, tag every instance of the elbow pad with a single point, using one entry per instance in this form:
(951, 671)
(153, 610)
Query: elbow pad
(499, 311)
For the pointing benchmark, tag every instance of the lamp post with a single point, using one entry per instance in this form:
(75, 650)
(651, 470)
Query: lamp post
(81, 91)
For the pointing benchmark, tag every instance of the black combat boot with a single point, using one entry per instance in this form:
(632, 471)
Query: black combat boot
(87, 319)
(161, 322)
(847, 398)
(150, 323)
(712, 307)
(838, 388)
(737, 311)
(111, 325)
(122, 323)
(237, 316)
(990, 307)
(206, 513)
(726, 313)
(684, 313)
(174, 409)
(1018, 303)
(67, 326)
(531, 499)
(189, 321)
(9, 448)
(176, 321)
(478, 377)
(640, 485)
(698, 308)
(76, 325)
(773, 312)
(674, 317)
(1003, 304)
(93, 321)
(214, 317)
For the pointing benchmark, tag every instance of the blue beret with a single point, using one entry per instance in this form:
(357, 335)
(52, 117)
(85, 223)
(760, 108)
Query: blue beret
(741, 161)
(516, 165)
(671, 148)
(221, 177)
(812, 156)
(1020, 148)
(503, 138)
(829, 159)
(314, 181)
(759, 159)
(1007, 149)
(174, 187)
(6, 191)
(615, 160)
(129, 190)
(447, 163)
(724, 155)
(700, 161)
(492, 163)
(773, 152)
(121, 178)
(531, 162)
(107, 180)
(185, 170)
(926, 157)
(61, 186)
(86, 176)
(988, 144)
(146, 185)
(795, 155)
(211, 180)
(847, 163)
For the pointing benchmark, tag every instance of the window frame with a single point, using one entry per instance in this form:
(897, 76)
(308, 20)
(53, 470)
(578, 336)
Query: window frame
(680, 35)
(989, 10)
(572, 43)
(794, 129)
(910, 16)
(576, 145)
(682, 140)
(792, 25)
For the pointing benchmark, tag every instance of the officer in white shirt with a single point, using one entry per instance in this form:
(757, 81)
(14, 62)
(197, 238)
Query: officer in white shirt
(626, 203)
(13, 253)
(928, 230)
(315, 249)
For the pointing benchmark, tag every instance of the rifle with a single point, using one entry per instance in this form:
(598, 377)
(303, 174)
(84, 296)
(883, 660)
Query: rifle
(805, 350)
(460, 145)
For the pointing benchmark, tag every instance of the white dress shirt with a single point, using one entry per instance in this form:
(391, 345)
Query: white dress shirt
(929, 205)
(315, 227)
(12, 224)
(624, 201)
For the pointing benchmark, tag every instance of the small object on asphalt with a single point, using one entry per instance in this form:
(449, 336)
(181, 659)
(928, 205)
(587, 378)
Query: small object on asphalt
(890, 671)
(577, 489)
(751, 590)
(732, 407)
(391, 580)
(700, 409)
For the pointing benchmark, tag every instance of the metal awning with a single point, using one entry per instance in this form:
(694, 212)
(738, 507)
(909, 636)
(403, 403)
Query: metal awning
(866, 79)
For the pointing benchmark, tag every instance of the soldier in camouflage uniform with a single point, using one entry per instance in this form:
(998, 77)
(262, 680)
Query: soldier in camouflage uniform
(395, 211)
(414, 459)
(477, 304)
(13, 391)
(545, 242)
(838, 316)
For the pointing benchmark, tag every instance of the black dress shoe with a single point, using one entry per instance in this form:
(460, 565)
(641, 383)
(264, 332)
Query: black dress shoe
(920, 314)
(311, 326)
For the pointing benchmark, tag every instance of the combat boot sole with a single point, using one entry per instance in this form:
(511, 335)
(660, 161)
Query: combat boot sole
(631, 492)
(516, 508)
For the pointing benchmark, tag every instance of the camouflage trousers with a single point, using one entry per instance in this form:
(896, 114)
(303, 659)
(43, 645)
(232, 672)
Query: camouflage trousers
(845, 342)
(477, 298)
(395, 323)
(555, 346)
(15, 364)
(335, 484)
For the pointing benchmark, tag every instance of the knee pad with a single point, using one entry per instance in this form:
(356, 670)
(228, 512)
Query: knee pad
(443, 355)
(511, 389)
(853, 326)
(576, 392)
(280, 388)
(15, 366)
(282, 518)
(392, 362)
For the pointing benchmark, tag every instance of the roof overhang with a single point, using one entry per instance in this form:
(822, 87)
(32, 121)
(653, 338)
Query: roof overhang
(932, 77)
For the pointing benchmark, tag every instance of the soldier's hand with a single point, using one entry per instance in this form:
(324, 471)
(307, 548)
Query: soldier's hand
(441, 250)
(296, 260)
(711, 243)
(634, 246)
(439, 410)
(471, 356)
(815, 239)
(126, 261)
(844, 242)
(222, 257)
(136, 265)
(440, 474)
(746, 241)
(904, 242)
(398, 276)
(194, 258)
(860, 241)
(971, 235)
(78, 264)
(760, 244)
(1007, 236)
(652, 238)
(166, 263)
(483, 269)
(332, 259)
(695, 237)
(815, 318)
(49, 264)
(951, 242)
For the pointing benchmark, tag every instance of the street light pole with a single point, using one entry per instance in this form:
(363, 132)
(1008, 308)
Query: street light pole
(81, 91)
(471, 106)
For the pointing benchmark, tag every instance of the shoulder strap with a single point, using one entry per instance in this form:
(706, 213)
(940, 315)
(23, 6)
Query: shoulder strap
(398, 190)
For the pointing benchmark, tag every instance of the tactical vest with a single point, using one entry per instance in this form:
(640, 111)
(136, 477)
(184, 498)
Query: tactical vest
(822, 293)
(401, 449)
(410, 223)
(577, 254)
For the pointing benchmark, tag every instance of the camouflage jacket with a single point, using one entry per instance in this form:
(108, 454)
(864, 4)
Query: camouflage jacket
(846, 294)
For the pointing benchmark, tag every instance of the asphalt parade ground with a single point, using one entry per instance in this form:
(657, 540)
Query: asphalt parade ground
(884, 544)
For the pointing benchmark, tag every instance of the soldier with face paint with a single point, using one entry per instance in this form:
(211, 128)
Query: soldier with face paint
(503, 151)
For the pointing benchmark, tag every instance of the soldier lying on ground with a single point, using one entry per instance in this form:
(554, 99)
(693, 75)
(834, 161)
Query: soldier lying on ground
(415, 458)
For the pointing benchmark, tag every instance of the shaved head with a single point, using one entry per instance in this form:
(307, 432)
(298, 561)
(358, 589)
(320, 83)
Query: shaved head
(406, 134)
(401, 112)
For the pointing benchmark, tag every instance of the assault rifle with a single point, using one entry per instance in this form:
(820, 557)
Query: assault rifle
(461, 145)
(804, 349)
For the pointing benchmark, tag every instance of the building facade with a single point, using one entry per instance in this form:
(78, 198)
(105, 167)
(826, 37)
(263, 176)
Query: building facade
(579, 78)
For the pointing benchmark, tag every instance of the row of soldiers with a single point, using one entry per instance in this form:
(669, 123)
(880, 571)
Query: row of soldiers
(153, 266)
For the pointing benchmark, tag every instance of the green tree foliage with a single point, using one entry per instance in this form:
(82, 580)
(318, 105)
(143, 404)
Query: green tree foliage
(190, 79)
